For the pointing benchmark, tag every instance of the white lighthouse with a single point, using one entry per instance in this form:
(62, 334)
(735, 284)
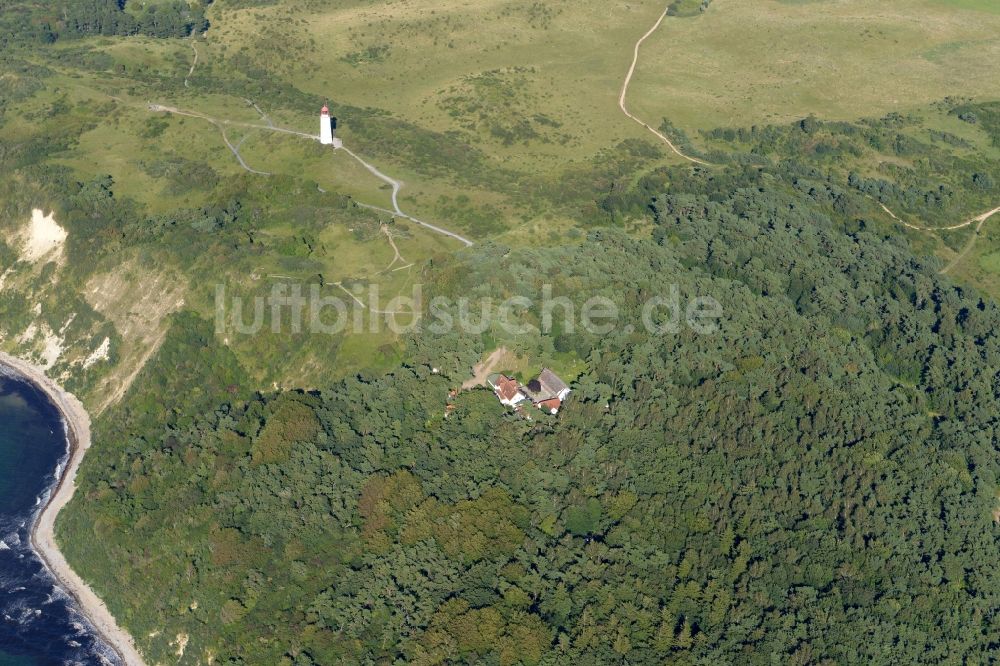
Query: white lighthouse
(325, 129)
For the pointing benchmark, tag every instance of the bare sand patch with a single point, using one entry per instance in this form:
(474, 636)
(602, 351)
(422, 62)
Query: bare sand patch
(482, 370)
(45, 344)
(138, 302)
(99, 354)
(43, 238)
(181, 642)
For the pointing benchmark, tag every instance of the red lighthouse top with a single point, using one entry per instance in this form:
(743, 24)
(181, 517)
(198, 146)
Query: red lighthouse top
(325, 111)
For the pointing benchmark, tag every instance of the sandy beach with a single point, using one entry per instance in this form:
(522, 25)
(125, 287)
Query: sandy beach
(43, 534)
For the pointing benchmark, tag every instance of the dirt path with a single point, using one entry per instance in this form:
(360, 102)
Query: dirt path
(368, 307)
(461, 239)
(162, 108)
(395, 184)
(194, 63)
(981, 221)
(43, 539)
(396, 187)
(624, 92)
(239, 158)
(263, 116)
(482, 370)
(398, 255)
(961, 225)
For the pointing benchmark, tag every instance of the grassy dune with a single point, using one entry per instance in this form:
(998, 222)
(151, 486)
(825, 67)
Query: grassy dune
(774, 62)
(500, 117)
(533, 83)
(495, 65)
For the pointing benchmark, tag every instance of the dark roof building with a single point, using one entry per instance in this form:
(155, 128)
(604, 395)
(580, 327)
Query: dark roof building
(546, 387)
(546, 393)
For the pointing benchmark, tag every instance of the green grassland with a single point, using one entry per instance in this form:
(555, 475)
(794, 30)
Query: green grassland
(515, 66)
(774, 62)
(534, 87)
(977, 5)
(529, 91)
(500, 118)
(166, 168)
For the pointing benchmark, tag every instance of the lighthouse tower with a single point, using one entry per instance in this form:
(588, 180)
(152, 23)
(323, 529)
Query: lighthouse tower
(325, 129)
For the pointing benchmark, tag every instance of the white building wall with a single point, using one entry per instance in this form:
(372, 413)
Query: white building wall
(325, 130)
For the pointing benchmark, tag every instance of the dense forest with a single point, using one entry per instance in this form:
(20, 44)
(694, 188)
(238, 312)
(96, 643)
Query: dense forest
(814, 483)
(26, 21)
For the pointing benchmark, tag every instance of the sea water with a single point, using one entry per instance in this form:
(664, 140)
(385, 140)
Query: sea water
(39, 623)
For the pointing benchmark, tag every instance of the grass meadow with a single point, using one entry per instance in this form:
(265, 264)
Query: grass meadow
(536, 85)
(774, 61)
(493, 114)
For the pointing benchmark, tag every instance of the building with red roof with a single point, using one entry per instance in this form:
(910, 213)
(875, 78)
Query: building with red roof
(508, 389)
(547, 393)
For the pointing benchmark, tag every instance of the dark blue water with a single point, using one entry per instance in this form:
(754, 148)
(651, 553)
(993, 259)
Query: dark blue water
(39, 623)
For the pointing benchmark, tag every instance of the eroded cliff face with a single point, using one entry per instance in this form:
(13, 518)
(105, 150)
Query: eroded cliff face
(92, 328)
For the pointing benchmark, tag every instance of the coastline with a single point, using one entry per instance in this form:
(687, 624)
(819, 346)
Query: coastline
(43, 540)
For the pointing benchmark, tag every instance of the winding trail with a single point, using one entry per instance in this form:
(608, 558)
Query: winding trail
(398, 255)
(162, 108)
(271, 127)
(194, 48)
(624, 92)
(239, 158)
(462, 239)
(396, 187)
(981, 221)
(979, 218)
(263, 116)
